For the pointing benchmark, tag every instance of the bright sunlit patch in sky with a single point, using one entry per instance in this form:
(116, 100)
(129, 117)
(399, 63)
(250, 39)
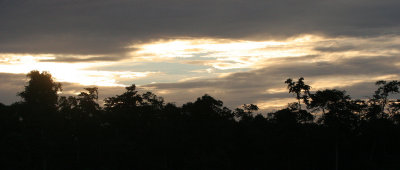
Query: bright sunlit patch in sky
(66, 72)
(224, 53)
(190, 47)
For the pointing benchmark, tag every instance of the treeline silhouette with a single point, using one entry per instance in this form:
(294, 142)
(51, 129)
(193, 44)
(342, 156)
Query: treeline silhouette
(323, 130)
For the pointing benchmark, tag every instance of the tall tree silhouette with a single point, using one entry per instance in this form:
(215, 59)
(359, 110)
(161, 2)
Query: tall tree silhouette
(381, 100)
(87, 101)
(246, 112)
(41, 90)
(336, 105)
(128, 101)
(299, 88)
(38, 115)
(206, 107)
(291, 115)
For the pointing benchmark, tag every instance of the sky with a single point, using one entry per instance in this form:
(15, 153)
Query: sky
(238, 51)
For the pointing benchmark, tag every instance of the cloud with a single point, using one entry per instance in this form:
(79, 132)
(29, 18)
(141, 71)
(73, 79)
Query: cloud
(266, 85)
(227, 54)
(68, 59)
(10, 85)
(74, 89)
(335, 48)
(107, 27)
(85, 71)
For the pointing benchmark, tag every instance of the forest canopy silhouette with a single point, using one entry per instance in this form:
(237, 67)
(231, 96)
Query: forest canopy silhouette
(323, 129)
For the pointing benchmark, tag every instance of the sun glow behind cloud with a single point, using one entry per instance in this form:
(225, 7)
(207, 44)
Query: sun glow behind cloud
(66, 72)
(216, 54)
(224, 53)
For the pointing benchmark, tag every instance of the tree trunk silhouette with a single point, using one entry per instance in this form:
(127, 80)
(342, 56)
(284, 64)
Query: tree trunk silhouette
(336, 153)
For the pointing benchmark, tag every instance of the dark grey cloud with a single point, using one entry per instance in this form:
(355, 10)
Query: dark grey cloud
(335, 48)
(107, 26)
(372, 44)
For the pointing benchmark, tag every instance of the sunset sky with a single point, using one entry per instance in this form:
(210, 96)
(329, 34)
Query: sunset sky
(238, 51)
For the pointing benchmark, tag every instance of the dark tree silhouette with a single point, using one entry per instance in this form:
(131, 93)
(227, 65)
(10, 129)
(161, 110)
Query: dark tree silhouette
(246, 112)
(301, 90)
(87, 102)
(128, 101)
(140, 131)
(206, 107)
(41, 90)
(337, 107)
(380, 100)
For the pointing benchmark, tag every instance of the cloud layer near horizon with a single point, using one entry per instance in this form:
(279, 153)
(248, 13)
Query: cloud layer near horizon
(262, 86)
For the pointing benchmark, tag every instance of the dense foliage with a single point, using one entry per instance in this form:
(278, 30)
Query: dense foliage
(323, 130)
